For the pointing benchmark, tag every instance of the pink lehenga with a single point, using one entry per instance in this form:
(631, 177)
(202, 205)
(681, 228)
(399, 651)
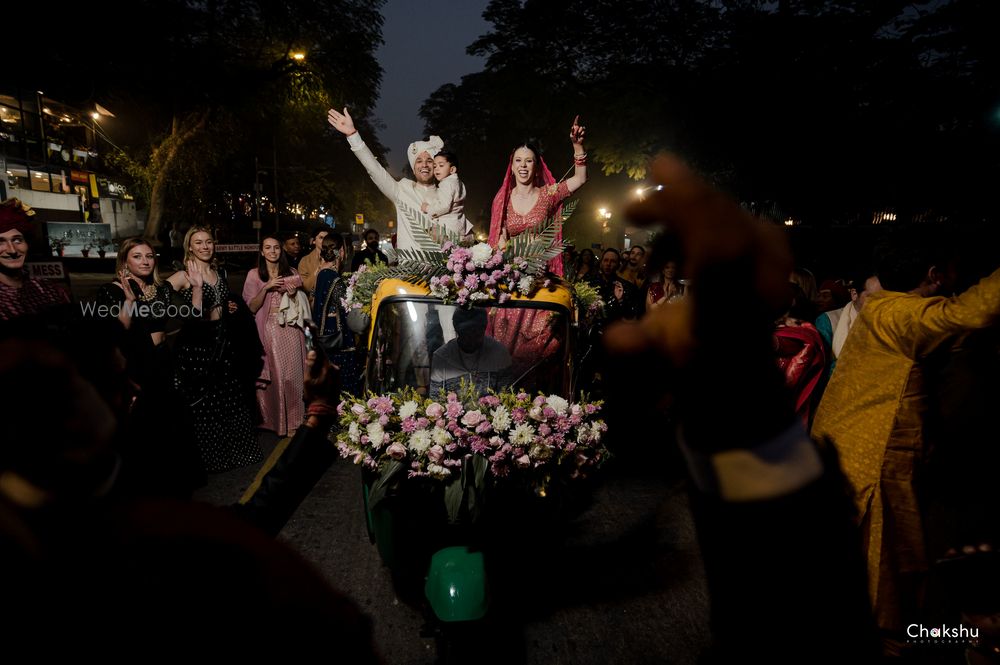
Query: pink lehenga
(527, 334)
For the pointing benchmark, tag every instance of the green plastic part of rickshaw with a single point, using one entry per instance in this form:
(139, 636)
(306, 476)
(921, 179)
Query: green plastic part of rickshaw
(456, 585)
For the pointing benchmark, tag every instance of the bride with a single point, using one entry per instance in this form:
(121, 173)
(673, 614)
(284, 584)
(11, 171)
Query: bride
(529, 194)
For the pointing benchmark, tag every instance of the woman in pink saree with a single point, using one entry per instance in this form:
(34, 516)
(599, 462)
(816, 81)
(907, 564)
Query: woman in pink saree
(279, 387)
(528, 196)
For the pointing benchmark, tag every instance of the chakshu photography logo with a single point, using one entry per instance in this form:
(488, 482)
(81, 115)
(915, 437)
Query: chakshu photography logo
(917, 633)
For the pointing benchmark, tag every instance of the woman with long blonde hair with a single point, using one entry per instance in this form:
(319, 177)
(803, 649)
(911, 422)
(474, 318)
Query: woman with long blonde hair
(206, 363)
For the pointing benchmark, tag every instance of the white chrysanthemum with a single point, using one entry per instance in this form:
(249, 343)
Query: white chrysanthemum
(438, 471)
(522, 435)
(558, 404)
(420, 441)
(501, 418)
(375, 434)
(440, 436)
(481, 253)
(595, 432)
(354, 432)
(539, 452)
(439, 291)
(479, 295)
(408, 409)
(525, 284)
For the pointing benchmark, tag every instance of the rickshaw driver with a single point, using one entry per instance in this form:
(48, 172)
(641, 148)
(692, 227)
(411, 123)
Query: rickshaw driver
(481, 360)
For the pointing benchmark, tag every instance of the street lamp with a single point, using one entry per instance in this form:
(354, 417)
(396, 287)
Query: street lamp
(604, 216)
(640, 192)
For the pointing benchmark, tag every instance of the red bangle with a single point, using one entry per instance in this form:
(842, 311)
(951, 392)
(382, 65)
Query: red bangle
(320, 410)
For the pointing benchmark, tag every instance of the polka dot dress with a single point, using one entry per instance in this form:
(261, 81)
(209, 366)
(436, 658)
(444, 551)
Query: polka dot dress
(220, 409)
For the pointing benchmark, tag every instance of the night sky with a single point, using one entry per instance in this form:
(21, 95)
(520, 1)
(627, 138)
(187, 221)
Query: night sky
(424, 48)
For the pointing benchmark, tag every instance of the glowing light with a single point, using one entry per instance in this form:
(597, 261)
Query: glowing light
(95, 115)
(789, 222)
(298, 55)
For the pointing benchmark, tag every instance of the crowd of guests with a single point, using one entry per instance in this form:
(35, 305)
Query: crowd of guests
(889, 369)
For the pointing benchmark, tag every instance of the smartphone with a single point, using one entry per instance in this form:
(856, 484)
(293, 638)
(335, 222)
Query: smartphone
(309, 338)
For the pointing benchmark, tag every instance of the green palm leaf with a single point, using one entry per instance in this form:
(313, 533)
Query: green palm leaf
(429, 234)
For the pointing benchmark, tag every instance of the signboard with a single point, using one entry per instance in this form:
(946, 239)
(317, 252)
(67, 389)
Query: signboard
(51, 270)
(359, 219)
(236, 247)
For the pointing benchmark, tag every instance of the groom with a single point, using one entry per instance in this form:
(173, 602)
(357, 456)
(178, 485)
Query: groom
(401, 192)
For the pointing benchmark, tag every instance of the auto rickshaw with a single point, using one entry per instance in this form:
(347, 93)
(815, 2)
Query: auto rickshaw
(411, 336)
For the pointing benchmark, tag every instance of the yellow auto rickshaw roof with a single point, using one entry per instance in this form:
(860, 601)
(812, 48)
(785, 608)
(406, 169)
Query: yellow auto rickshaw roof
(558, 294)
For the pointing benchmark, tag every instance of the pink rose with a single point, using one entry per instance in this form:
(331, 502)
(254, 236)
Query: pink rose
(358, 409)
(396, 451)
(435, 410)
(472, 418)
(435, 454)
(523, 461)
(383, 420)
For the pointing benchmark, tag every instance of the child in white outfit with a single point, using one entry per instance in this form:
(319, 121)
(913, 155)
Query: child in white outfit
(447, 209)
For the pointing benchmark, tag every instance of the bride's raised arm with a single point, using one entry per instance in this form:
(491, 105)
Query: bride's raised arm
(576, 134)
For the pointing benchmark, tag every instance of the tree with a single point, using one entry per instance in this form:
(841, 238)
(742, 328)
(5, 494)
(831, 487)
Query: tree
(827, 106)
(214, 83)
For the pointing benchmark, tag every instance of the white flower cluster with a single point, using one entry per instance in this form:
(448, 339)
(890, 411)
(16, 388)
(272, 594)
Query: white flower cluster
(408, 409)
(481, 253)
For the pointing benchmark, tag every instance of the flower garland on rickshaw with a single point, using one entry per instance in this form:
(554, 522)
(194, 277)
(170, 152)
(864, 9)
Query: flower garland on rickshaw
(516, 433)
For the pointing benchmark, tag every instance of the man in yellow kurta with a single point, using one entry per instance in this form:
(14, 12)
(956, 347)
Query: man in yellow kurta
(873, 411)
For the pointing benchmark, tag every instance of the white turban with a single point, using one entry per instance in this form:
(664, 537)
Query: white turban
(432, 145)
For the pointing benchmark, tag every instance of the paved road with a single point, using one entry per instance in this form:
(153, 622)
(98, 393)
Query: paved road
(624, 586)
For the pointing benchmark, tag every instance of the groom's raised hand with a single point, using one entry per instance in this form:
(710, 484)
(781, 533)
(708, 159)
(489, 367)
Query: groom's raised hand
(342, 122)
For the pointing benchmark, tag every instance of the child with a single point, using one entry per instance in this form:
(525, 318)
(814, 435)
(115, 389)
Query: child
(447, 210)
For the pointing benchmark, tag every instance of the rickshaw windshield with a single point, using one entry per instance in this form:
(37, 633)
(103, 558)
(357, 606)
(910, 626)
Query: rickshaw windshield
(431, 346)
